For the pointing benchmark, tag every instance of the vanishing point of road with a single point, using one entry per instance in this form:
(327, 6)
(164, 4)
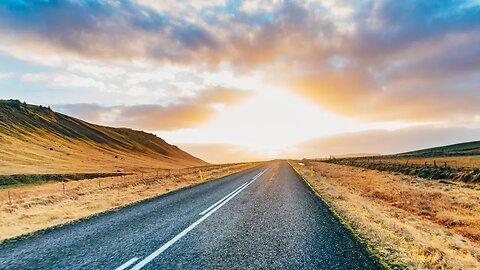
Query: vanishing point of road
(262, 218)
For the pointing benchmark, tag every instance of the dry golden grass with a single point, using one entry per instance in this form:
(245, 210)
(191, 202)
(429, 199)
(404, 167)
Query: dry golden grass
(417, 223)
(454, 161)
(36, 207)
(35, 140)
(24, 157)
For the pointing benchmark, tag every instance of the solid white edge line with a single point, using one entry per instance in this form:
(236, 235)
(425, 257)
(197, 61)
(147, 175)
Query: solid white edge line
(224, 198)
(127, 264)
(157, 252)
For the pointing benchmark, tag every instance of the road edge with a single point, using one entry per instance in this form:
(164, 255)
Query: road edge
(364, 242)
(116, 209)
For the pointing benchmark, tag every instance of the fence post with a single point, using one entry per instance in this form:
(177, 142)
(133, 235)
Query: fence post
(435, 163)
(99, 183)
(9, 198)
(425, 164)
(63, 188)
(445, 164)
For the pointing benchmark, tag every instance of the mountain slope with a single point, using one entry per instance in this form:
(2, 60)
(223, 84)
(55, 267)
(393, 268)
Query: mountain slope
(35, 139)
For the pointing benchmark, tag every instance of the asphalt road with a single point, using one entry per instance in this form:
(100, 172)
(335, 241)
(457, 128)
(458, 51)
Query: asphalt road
(268, 219)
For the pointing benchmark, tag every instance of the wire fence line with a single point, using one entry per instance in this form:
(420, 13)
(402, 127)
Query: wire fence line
(466, 162)
(74, 188)
(80, 187)
(433, 170)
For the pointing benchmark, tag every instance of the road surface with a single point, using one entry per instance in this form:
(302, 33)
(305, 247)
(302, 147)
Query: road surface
(262, 218)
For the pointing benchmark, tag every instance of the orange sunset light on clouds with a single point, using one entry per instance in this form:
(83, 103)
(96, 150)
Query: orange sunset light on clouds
(242, 80)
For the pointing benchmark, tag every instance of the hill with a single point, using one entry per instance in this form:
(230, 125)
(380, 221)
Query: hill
(35, 139)
(459, 149)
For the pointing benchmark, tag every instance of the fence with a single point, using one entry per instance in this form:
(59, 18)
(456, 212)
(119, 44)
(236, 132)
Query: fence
(432, 170)
(71, 189)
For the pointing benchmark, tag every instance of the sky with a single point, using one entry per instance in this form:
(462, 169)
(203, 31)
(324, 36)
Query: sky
(241, 80)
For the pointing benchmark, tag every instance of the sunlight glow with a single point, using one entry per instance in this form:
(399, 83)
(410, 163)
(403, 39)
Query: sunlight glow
(270, 121)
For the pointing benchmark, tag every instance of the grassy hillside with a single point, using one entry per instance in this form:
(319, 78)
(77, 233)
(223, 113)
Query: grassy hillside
(460, 149)
(451, 162)
(35, 139)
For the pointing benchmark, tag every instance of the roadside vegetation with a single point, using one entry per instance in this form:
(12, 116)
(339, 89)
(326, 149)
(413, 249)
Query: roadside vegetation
(7, 181)
(435, 169)
(29, 208)
(412, 222)
(458, 162)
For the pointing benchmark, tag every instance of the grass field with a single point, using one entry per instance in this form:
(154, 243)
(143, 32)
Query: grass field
(427, 171)
(414, 223)
(458, 162)
(36, 207)
(465, 155)
(51, 155)
(452, 161)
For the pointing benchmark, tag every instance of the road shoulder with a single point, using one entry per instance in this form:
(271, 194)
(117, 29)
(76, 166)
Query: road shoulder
(369, 246)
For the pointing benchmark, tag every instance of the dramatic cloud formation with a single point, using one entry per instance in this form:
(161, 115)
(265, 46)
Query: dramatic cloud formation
(190, 112)
(403, 60)
(90, 28)
(376, 62)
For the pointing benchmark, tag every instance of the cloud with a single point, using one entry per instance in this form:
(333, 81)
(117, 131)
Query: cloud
(190, 112)
(217, 32)
(89, 28)
(151, 32)
(383, 141)
(147, 117)
(355, 93)
(365, 142)
(259, 6)
(35, 77)
(405, 61)
(221, 95)
(391, 26)
(222, 153)
(377, 60)
(68, 80)
(345, 91)
(6, 75)
(182, 7)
